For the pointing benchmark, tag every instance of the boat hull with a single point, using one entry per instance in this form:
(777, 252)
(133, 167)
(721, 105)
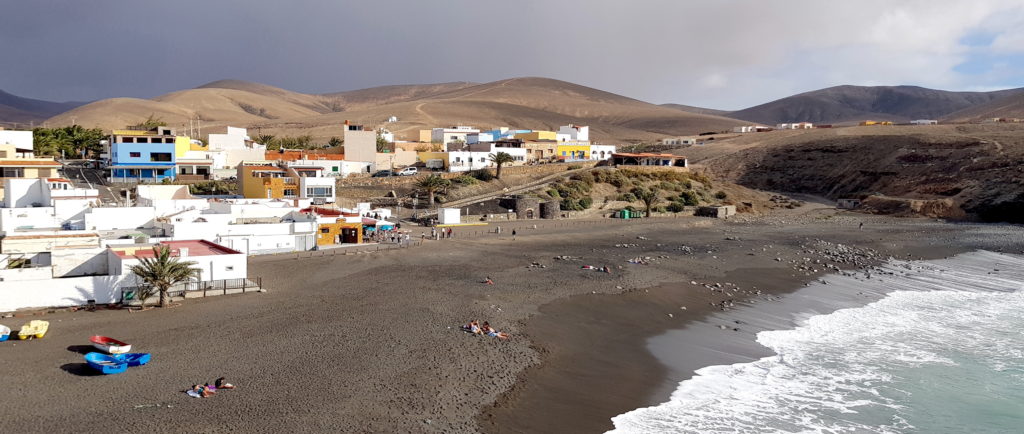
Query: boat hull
(105, 364)
(110, 345)
(134, 359)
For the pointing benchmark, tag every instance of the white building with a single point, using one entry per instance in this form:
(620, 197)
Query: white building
(745, 129)
(679, 141)
(601, 152)
(236, 147)
(449, 216)
(924, 122)
(386, 135)
(320, 190)
(44, 203)
(168, 199)
(22, 140)
(453, 134)
(795, 126)
(575, 133)
(215, 262)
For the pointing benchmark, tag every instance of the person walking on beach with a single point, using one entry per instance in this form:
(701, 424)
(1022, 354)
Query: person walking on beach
(513, 234)
(449, 232)
(861, 227)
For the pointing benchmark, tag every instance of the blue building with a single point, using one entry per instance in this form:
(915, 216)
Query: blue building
(143, 155)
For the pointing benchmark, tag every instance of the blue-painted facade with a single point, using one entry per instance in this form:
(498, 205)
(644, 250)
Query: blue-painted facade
(142, 161)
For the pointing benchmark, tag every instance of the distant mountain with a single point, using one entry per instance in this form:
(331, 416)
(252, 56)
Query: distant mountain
(536, 103)
(1011, 106)
(697, 110)
(16, 109)
(843, 104)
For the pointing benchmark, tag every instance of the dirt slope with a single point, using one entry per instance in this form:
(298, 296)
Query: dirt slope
(14, 108)
(964, 171)
(1011, 106)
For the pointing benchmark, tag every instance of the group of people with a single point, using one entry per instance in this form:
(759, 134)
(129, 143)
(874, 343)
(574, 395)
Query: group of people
(206, 390)
(436, 234)
(393, 236)
(475, 328)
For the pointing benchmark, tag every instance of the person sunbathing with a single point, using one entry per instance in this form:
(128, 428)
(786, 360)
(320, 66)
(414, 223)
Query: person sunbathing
(198, 391)
(487, 330)
(488, 280)
(473, 327)
(221, 384)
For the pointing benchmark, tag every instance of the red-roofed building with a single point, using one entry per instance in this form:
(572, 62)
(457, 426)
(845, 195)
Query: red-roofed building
(213, 261)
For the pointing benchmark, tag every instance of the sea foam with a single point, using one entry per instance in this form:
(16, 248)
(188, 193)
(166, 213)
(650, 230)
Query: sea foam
(941, 352)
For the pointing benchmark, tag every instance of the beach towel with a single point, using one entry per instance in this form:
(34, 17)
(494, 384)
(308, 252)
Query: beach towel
(193, 393)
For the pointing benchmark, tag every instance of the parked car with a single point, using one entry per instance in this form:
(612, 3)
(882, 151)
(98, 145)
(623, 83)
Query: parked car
(382, 173)
(408, 171)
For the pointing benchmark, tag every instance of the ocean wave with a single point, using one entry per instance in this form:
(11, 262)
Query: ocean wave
(890, 366)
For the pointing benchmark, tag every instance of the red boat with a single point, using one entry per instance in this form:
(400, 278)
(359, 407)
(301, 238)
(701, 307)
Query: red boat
(110, 345)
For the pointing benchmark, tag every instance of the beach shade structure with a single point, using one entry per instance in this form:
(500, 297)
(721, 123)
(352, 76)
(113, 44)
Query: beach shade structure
(5, 332)
(33, 329)
(109, 345)
(105, 364)
(133, 359)
(384, 225)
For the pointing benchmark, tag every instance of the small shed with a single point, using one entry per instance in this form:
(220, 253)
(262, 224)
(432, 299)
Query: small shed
(449, 216)
(722, 211)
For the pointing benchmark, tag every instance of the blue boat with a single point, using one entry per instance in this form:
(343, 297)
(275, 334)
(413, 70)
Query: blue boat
(105, 363)
(133, 359)
(5, 332)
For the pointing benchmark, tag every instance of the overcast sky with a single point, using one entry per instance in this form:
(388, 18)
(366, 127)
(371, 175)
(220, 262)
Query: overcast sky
(726, 54)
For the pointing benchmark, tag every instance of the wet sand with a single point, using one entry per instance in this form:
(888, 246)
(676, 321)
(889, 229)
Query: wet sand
(370, 343)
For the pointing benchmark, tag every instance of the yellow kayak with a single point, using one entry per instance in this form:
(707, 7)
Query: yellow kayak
(34, 328)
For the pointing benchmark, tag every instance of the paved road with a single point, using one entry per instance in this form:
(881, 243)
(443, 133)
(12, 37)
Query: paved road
(84, 176)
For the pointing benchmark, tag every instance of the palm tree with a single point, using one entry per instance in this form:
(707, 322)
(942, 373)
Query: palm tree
(499, 159)
(432, 184)
(163, 271)
(649, 196)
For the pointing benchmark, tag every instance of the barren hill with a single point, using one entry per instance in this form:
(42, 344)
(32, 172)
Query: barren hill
(697, 110)
(954, 171)
(521, 102)
(1011, 106)
(18, 109)
(845, 104)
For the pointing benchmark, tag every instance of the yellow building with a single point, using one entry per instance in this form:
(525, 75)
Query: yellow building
(537, 136)
(425, 136)
(573, 152)
(339, 232)
(424, 157)
(266, 182)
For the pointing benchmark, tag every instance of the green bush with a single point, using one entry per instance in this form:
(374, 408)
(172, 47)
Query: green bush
(689, 198)
(585, 177)
(586, 202)
(627, 197)
(676, 207)
(721, 195)
(554, 193)
(466, 180)
(574, 167)
(660, 209)
(482, 175)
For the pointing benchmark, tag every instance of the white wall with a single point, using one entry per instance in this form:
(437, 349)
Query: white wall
(450, 216)
(20, 139)
(79, 262)
(106, 219)
(72, 291)
(20, 274)
(11, 219)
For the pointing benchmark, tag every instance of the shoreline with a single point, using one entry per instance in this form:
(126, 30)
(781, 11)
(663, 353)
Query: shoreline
(370, 343)
(644, 365)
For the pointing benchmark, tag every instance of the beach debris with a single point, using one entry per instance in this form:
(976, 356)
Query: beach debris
(687, 250)
(722, 327)
(670, 316)
(693, 282)
(626, 246)
(682, 307)
(567, 258)
(536, 265)
(641, 237)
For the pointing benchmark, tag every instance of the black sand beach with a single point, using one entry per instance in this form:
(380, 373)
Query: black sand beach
(370, 343)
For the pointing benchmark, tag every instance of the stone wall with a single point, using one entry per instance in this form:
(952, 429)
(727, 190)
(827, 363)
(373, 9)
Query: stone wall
(534, 170)
(550, 209)
(527, 207)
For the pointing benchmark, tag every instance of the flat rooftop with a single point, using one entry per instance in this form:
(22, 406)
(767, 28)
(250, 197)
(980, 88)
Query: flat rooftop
(194, 247)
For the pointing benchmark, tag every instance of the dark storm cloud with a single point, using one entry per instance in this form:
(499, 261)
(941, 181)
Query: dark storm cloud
(724, 54)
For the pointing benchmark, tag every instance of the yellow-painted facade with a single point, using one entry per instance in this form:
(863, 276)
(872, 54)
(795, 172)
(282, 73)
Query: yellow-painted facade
(266, 182)
(578, 152)
(537, 135)
(423, 157)
(425, 136)
(329, 233)
(182, 144)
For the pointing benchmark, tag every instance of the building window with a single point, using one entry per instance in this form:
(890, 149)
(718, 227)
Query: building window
(14, 172)
(334, 168)
(127, 140)
(325, 230)
(229, 268)
(142, 140)
(169, 140)
(134, 154)
(160, 156)
(319, 191)
(289, 192)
